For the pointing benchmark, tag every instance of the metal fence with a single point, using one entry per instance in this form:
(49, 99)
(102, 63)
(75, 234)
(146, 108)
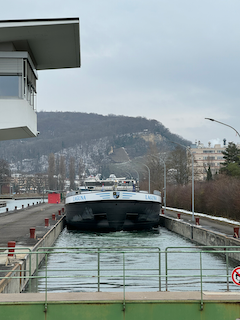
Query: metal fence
(124, 269)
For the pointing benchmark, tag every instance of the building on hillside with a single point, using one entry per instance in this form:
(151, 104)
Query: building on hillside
(206, 157)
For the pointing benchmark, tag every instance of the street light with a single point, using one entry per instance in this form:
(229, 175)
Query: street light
(187, 148)
(164, 181)
(224, 125)
(149, 181)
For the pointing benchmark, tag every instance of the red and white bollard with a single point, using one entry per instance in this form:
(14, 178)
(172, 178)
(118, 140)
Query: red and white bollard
(162, 211)
(197, 221)
(53, 216)
(179, 215)
(32, 233)
(46, 222)
(11, 244)
(62, 210)
(59, 212)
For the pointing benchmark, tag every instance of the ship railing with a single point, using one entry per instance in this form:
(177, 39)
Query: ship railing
(126, 269)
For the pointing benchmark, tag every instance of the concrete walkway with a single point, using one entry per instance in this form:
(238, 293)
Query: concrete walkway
(15, 225)
(207, 222)
(116, 296)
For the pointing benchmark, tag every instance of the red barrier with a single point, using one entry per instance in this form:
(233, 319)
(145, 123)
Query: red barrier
(236, 232)
(53, 216)
(11, 244)
(197, 221)
(32, 233)
(46, 222)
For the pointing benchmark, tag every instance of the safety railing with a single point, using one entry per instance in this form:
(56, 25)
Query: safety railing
(126, 269)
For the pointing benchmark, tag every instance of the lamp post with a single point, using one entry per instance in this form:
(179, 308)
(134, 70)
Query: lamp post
(224, 125)
(187, 148)
(164, 181)
(149, 181)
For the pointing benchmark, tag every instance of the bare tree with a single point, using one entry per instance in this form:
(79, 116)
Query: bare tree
(62, 172)
(81, 169)
(179, 161)
(51, 172)
(72, 173)
(5, 173)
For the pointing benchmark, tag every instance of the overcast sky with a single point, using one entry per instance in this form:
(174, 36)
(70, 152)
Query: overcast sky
(176, 61)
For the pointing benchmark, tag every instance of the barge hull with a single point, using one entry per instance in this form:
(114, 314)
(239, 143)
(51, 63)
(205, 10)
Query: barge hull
(105, 216)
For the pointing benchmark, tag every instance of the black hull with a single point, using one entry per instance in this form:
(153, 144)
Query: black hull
(106, 216)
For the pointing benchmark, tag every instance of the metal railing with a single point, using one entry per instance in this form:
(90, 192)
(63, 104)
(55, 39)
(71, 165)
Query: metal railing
(123, 268)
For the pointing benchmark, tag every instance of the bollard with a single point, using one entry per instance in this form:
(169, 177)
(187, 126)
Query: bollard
(33, 204)
(179, 215)
(162, 211)
(53, 216)
(22, 206)
(15, 207)
(236, 232)
(6, 209)
(197, 221)
(28, 204)
(37, 202)
(46, 222)
(32, 233)
(11, 244)
(62, 210)
(59, 212)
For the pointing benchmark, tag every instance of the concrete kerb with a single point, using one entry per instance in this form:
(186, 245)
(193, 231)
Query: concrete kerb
(200, 235)
(29, 261)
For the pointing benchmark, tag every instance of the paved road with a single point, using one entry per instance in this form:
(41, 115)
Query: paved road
(15, 225)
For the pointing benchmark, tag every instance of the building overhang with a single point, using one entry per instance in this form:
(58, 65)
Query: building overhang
(27, 46)
(51, 43)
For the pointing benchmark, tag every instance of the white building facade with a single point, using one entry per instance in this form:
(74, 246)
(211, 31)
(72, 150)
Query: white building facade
(206, 157)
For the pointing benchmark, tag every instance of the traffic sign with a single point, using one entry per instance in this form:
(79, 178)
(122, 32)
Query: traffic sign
(236, 276)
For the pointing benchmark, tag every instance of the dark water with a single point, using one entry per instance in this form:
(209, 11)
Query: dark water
(76, 270)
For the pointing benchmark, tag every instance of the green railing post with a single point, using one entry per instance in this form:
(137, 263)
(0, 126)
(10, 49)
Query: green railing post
(124, 301)
(201, 307)
(227, 269)
(30, 269)
(45, 309)
(159, 269)
(166, 270)
(98, 269)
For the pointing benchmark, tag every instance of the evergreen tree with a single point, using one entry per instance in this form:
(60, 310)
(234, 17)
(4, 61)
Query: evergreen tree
(231, 154)
(209, 174)
(231, 165)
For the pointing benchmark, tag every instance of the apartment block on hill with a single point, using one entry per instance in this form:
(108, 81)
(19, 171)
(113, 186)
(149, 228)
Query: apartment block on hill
(206, 157)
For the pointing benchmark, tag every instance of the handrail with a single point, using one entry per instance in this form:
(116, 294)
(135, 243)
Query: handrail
(124, 271)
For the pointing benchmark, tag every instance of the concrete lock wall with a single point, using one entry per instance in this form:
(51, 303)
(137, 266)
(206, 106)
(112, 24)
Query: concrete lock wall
(17, 285)
(200, 235)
